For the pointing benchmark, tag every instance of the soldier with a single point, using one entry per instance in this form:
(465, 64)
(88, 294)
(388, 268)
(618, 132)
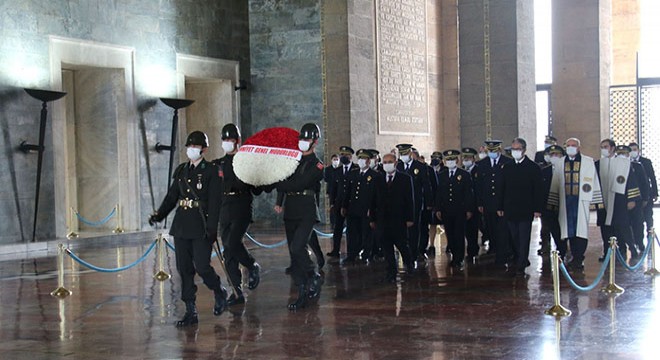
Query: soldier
(358, 199)
(375, 160)
(436, 166)
(636, 214)
(473, 224)
(301, 213)
(650, 173)
(421, 193)
(337, 194)
(377, 166)
(453, 204)
(489, 185)
(540, 156)
(235, 217)
(328, 178)
(549, 215)
(196, 189)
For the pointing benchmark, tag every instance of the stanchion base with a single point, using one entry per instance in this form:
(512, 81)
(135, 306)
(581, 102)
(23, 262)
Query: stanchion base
(118, 230)
(558, 311)
(72, 235)
(613, 289)
(60, 293)
(652, 272)
(162, 276)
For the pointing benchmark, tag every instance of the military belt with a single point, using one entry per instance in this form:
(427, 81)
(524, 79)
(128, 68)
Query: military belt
(304, 192)
(189, 203)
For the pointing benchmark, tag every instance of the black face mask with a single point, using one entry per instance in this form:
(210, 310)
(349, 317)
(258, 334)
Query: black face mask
(345, 160)
(435, 162)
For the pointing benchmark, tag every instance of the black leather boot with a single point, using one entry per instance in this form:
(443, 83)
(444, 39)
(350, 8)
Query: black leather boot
(236, 298)
(220, 301)
(301, 301)
(315, 286)
(190, 317)
(254, 278)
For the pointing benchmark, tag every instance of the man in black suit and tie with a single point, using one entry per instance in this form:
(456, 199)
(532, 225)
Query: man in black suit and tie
(488, 178)
(650, 173)
(473, 224)
(393, 215)
(421, 193)
(436, 168)
(453, 204)
(337, 196)
(521, 201)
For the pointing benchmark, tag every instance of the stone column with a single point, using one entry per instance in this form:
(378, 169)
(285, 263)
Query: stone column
(497, 82)
(626, 26)
(581, 63)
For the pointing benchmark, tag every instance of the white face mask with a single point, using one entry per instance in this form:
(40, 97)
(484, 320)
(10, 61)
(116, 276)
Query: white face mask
(450, 164)
(482, 155)
(546, 158)
(623, 156)
(571, 150)
(605, 153)
(362, 163)
(193, 153)
(228, 146)
(335, 163)
(304, 145)
(389, 168)
(405, 158)
(634, 154)
(372, 164)
(467, 163)
(547, 145)
(517, 154)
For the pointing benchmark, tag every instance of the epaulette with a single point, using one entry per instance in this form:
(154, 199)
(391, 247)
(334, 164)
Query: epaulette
(179, 169)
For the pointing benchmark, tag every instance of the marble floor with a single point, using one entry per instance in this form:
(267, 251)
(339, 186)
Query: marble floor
(440, 313)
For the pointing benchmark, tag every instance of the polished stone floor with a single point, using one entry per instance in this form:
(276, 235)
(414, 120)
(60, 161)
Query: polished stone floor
(439, 313)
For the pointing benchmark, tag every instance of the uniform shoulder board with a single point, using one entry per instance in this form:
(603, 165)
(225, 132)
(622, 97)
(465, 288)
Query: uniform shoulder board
(179, 169)
(319, 165)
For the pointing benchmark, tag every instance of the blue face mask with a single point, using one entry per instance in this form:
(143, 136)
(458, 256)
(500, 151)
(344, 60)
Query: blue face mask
(492, 155)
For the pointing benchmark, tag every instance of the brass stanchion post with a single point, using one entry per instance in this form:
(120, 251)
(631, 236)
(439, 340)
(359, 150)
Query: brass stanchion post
(61, 292)
(72, 234)
(118, 229)
(557, 309)
(652, 271)
(612, 288)
(161, 275)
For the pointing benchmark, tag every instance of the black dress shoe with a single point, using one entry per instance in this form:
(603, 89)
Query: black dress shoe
(301, 301)
(458, 265)
(253, 277)
(601, 259)
(236, 300)
(315, 283)
(333, 254)
(220, 301)
(190, 317)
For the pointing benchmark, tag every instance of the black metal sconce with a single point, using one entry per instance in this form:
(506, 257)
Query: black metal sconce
(45, 96)
(242, 85)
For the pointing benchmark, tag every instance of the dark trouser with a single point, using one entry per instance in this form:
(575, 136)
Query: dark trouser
(376, 242)
(395, 236)
(424, 221)
(472, 234)
(636, 217)
(338, 231)
(413, 236)
(357, 235)
(550, 227)
(605, 233)
(315, 246)
(455, 230)
(648, 215)
(521, 233)
(235, 253)
(499, 237)
(624, 239)
(298, 233)
(578, 248)
(485, 232)
(194, 255)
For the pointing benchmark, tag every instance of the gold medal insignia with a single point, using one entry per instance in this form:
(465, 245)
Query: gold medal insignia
(416, 171)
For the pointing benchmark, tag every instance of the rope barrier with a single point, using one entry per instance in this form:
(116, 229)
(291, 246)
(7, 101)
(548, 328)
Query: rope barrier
(100, 269)
(267, 246)
(599, 277)
(327, 235)
(641, 259)
(97, 223)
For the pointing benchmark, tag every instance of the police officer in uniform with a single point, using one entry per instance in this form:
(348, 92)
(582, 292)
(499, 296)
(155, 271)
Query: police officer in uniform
(337, 195)
(540, 156)
(436, 168)
(196, 190)
(301, 213)
(358, 199)
(473, 224)
(235, 216)
(453, 204)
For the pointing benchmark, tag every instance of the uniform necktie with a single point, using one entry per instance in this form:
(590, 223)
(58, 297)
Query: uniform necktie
(389, 179)
(451, 174)
(192, 167)
(345, 169)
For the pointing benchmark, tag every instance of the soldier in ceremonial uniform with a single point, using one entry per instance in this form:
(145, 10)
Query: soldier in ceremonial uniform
(337, 195)
(436, 168)
(358, 199)
(474, 224)
(488, 178)
(453, 204)
(300, 208)
(196, 190)
(235, 216)
(540, 156)
(421, 193)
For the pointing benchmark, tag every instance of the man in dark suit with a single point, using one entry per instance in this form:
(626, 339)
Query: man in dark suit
(539, 157)
(473, 224)
(337, 196)
(358, 199)
(635, 156)
(636, 215)
(453, 204)
(521, 201)
(436, 168)
(393, 214)
(549, 214)
(329, 179)
(488, 178)
(421, 192)
(196, 191)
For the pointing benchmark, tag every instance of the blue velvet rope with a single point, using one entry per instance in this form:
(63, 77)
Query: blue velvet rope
(267, 246)
(641, 259)
(599, 277)
(97, 223)
(107, 270)
(326, 235)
